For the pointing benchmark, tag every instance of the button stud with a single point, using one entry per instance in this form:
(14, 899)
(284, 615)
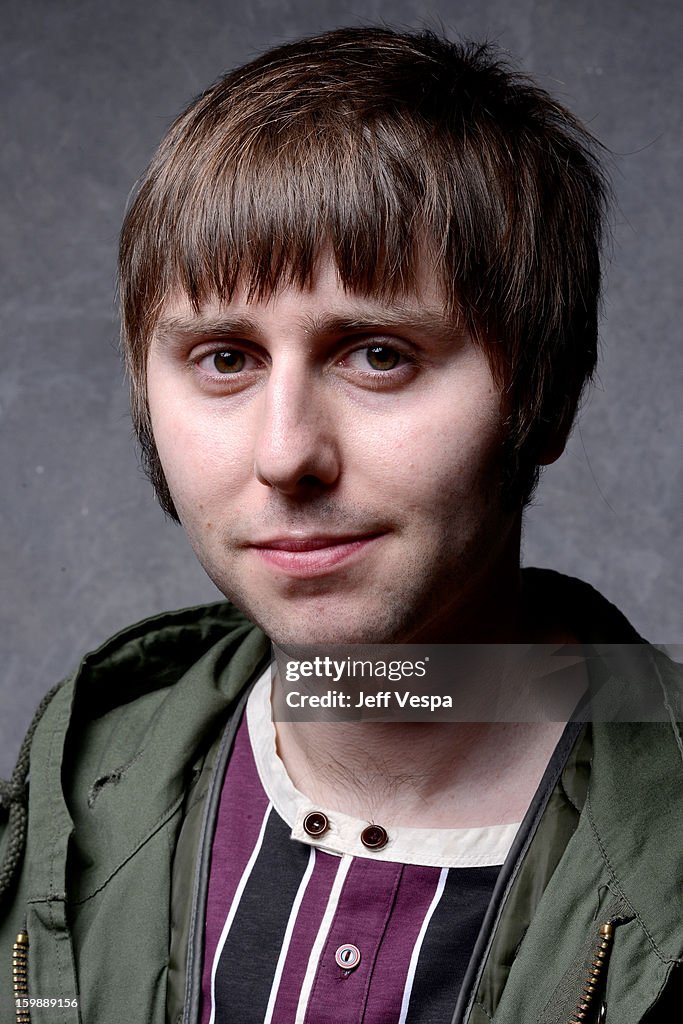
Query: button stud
(374, 837)
(347, 956)
(316, 824)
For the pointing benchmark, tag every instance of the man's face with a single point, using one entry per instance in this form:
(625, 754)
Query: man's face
(335, 459)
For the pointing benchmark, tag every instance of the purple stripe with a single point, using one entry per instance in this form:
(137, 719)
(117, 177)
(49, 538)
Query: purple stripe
(305, 930)
(363, 912)
(240, 816)
(413, 899)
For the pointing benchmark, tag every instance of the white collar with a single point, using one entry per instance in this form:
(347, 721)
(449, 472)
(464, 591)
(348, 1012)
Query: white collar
(436, 847)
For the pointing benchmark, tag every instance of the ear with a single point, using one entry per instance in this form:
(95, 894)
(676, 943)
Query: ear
(551, 449)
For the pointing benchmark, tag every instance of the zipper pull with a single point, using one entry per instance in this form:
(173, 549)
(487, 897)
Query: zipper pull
(20, 977)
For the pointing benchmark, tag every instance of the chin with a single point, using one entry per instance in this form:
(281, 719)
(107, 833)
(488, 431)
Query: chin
(333, 630)
(320, 635)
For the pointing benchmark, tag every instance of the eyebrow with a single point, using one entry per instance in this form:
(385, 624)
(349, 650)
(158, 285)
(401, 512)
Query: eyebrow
(179, 327)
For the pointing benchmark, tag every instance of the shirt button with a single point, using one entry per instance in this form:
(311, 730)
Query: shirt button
(347, 956)
(316, 823)
(374, 837)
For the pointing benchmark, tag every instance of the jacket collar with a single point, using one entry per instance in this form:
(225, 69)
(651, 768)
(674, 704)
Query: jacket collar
(634, 804)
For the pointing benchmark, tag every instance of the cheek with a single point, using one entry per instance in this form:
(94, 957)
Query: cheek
(431, 462)
(468, 439)
(202, 463)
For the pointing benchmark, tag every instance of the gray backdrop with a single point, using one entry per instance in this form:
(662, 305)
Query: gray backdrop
(88, 90)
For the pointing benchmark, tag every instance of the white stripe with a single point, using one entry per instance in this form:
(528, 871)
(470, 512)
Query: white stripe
(330, 911)
(288, 937)
(233, 909)
(418, 945)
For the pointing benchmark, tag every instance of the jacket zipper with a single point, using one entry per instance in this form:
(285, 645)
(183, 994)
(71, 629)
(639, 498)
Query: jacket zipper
(508, 875)
(594, 983)
(20, 977)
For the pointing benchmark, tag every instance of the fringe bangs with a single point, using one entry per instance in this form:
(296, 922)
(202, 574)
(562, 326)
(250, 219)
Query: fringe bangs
(261, 217)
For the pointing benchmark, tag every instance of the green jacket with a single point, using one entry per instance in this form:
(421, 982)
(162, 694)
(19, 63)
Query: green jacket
(125, 772)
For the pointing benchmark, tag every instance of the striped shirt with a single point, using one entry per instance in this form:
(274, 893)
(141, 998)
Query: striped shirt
(303, 930)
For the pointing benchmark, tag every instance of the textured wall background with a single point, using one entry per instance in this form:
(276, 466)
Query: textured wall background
(88, 90)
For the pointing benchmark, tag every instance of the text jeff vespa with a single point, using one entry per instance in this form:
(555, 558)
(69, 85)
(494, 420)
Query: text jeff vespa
(326, 668)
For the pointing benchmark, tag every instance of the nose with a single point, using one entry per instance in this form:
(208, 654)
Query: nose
(296, 447)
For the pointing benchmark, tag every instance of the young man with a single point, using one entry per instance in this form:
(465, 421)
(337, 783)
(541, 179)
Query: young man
(359, 290)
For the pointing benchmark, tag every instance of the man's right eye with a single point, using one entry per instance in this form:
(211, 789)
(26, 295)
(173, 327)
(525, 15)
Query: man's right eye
(226, 361)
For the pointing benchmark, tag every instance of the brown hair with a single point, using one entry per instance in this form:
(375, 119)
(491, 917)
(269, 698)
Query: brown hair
(382, 148)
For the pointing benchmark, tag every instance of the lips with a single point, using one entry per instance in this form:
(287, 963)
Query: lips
(312, 555)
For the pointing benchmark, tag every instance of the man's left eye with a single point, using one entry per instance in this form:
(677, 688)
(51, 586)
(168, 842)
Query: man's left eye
(228, 361)
(382, 357)
(379, 358)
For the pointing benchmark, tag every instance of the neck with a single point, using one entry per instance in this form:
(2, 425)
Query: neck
(433, 774)
(442, 775)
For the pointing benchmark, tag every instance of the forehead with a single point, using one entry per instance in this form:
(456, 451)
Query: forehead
(320, 307)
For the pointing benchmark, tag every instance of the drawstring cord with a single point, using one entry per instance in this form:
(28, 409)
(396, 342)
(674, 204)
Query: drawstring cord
(13, 799)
